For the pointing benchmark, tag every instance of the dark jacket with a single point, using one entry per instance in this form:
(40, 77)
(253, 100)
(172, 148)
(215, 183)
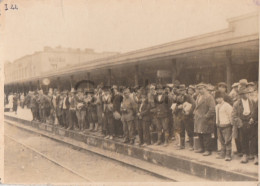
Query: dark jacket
(204, 114)
(237, 113)
(145, 111)
(117, 100)
(162, 107)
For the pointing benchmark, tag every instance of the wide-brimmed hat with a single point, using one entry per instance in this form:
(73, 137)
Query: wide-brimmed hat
(235, 85)
(243, 82)
(210, 87)
(114, 87)
(191, 87)
(251, 84)
(243, 90)
(201, 85)
(222, 84)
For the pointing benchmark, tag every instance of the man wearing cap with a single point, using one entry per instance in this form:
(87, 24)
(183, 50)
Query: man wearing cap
(204, 114)
(117, 99)
(59, 98)
(72, 110)
(245, 117)
(222, 87)
(224, 127)
(253, 95)
(44, 105)
(99, 108)
(162, 113)
(91, 110)
(144, 117)
(128, 109)
(65, 109)
(34, 106)
(109, 124)
(183, 116)
(151, 100)
(234, 92)
(80, 109)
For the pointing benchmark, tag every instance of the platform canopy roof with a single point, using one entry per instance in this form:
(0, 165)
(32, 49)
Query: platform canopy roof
(241, 37)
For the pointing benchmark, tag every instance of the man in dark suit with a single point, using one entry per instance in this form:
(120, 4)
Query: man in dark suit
(162, 113)
(186, 117)
(245, 118)
(128, 109)
(144, 117)
(204, 114)
(65, 109)
(117, 99)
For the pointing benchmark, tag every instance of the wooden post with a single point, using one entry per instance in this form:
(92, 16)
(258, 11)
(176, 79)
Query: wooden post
(174, 70)
(229, 69)
(109, 77)
(136, 76)
(58, 84)
(71, 81)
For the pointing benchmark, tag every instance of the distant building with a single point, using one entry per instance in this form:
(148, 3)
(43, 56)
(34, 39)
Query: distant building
(48, 60)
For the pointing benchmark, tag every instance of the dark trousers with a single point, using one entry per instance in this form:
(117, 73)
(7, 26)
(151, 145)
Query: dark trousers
(34, 113)
(144, 131)
(72, 119)
(65, 117)
(238, 143)
(248, 136)
(188, 125)
(109, 124)
(129, 130)
(225, 138)
(43, 114)
(204, 140)
(118, 127)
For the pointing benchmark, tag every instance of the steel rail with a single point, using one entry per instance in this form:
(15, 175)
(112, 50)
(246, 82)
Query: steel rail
(50, 159)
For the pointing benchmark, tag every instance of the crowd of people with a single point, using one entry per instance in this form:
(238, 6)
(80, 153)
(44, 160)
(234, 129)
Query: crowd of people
(172, 111)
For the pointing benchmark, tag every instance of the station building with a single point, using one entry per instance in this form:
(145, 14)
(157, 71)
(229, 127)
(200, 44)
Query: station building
(225, 55)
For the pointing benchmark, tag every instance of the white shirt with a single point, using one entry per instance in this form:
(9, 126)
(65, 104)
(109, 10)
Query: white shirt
(246, 107)
(64, 103)
(223, 113)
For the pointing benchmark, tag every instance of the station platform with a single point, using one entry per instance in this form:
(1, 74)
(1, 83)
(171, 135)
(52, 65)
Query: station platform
(184, 161)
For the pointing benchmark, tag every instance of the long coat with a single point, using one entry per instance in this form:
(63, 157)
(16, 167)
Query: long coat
(204, 114)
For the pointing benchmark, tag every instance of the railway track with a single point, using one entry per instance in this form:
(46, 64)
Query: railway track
(78, 169)
(50, 159)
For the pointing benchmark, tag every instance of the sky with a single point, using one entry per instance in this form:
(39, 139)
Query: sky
(110, 25)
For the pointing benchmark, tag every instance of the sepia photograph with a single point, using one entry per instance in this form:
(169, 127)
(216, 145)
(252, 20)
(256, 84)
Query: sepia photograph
(142, 92)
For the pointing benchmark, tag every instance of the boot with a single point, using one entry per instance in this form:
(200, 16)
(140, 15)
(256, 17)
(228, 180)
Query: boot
(91, 127)
(182, 144)
(228, 155)
(222, 154)
(256, 160)
(166, 139)
(159, 139)
(244, 159)
(96, 127)
(191, 144)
